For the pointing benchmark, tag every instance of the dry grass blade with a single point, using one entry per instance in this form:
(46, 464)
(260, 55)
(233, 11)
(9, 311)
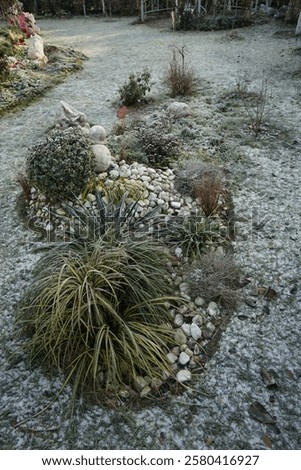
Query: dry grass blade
(180, 77)
(216, 278)
(207, 192)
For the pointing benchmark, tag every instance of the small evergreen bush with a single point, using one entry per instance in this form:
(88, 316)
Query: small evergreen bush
(61, 164)
(160, 148)
(134, 90)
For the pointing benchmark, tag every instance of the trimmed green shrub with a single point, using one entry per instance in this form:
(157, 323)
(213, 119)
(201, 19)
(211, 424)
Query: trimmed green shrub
(60, 164)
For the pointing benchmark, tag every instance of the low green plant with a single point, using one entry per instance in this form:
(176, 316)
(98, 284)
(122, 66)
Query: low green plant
(60, 165)
(193, 234)
(134, 90)
(108, 218)
(216, 278)
(160, 148)
(114, 191)
(180, 77)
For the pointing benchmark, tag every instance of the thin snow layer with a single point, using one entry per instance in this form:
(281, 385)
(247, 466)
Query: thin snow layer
(214, 413)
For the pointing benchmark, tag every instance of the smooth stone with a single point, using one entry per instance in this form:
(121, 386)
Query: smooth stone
(98, 133)
(180, 336)
(199, 302)
(175, 205)
(213, 309)
(178, 320)
(172, 358)
(103, 158)
(183, 375)
(196, 332)
(184, 358)
(186, 328)
(140, 383)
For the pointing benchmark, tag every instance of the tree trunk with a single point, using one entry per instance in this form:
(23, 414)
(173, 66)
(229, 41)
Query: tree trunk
(293, 12)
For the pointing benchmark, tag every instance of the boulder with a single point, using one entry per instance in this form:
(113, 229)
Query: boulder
(178, 110)
(102, 156)
(98, 133)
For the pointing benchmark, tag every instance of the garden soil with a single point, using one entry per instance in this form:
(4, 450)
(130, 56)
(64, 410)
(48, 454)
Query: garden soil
(230, 404)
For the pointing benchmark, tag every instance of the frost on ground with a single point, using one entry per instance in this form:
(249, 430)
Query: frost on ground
(225, 407)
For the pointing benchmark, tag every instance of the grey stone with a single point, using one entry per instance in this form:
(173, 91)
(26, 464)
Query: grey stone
(178, 110)
(98, 133)
(186, 328)
(183, 375)
(184, 358)
(172, 358)
(196, 332)
(180, 337)
(103, 157)
(212, 309)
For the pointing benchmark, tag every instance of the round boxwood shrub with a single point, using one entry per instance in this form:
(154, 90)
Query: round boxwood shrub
(61, 164)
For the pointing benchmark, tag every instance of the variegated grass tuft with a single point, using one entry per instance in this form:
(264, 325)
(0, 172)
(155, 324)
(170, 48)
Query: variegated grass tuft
(97, 311)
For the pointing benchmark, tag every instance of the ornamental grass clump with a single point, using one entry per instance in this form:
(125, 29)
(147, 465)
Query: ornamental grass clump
(61, 164)
(216, 278)
(193, 235)
(98, 312)
(180, 77)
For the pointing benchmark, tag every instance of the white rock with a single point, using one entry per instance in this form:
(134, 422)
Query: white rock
(156, 383)
(186, 328)
(178, 320)
(172, 358)
(178, 252)
(183, 375)
(98, 133)
(146, 391)
(180, 337)
(178, 110)
(175, 205)
(58, 211)
(91, 197)
(103, 158)
(196, 332)
(184, 358)
(199, 302)
(176, 350)
(114, 174)
(198, 320)
(213, 309)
